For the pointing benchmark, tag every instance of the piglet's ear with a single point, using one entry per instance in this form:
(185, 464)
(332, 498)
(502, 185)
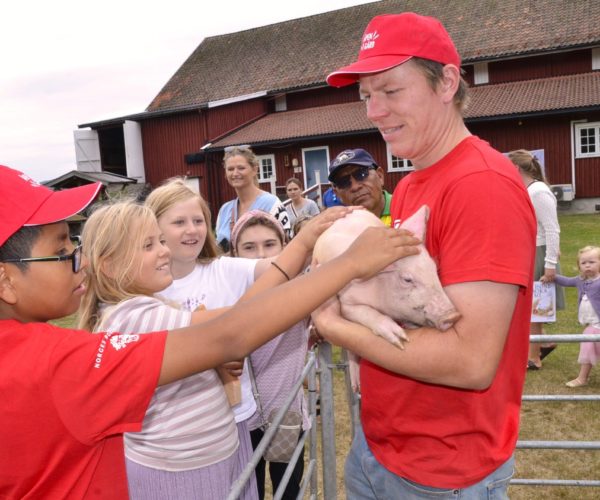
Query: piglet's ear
(417, 222)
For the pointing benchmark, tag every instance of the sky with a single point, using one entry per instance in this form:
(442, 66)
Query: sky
(65, 62)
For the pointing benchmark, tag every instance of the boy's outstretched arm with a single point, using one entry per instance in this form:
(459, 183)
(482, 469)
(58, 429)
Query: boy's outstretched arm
(250, 324)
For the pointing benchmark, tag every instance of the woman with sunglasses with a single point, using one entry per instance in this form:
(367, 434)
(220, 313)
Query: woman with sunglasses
(241, 172)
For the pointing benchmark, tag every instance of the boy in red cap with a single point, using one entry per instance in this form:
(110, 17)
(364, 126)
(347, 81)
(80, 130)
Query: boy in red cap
(441, 418)
(67, 395)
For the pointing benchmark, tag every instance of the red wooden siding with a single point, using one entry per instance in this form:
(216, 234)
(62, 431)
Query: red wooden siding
(223, 119)
(546, 66)
(323, 96)
(553, 136)
(166, 141)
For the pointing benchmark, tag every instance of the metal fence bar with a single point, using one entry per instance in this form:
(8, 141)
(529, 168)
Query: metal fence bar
(246, 474)
(329, 474)
(568, 337)
(312, 411)
(555, 482)
(560, 445)
(285, 479)
(560, 397)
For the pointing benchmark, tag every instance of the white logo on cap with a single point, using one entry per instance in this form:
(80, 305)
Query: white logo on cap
(368, 41)
(343, 156)
(26, 178)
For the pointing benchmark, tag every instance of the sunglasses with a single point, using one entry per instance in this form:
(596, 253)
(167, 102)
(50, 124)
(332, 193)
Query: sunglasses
(359, 175)
(74, 257)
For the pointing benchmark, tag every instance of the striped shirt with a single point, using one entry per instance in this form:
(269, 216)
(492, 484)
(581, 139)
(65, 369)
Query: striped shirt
(189, 423)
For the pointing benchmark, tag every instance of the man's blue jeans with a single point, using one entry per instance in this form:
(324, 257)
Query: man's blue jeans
(366, 478)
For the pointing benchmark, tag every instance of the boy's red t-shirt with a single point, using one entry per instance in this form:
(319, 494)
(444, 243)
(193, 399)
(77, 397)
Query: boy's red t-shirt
(68, 396)
(481, 228)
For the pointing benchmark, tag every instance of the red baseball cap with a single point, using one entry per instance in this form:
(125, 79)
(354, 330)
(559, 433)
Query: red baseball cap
(24, 202)
(392, 39)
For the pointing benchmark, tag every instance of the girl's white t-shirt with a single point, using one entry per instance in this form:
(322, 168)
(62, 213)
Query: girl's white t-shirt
(219, 283)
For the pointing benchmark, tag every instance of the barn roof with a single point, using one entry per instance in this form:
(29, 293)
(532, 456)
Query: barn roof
(301, 52)
(502, 100)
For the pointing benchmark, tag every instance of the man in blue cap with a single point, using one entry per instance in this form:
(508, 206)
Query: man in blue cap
(358, 180)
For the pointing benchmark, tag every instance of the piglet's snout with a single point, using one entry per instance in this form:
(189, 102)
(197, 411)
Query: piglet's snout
(447, 321)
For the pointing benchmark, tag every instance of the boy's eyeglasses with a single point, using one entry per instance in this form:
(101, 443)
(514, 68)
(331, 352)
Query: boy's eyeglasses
(359, 175)
(74, 257)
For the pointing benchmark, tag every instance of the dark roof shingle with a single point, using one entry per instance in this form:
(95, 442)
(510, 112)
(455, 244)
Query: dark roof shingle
(505, 99)
(301, 52)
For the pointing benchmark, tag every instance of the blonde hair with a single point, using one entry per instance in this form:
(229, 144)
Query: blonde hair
(112, 238)
(528, 163)
(174, 191)
(588, 248)
(247, 154)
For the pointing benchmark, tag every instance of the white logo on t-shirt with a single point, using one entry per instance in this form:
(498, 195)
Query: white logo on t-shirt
(120, 341)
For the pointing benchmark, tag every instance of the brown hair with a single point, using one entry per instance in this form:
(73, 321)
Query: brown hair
(247, 153)
(293, 180)
(434, 72)
(528, 163)
(174, 191)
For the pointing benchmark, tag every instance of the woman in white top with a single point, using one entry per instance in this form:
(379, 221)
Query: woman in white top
(241, 172)
(547, 241)
(300, 205)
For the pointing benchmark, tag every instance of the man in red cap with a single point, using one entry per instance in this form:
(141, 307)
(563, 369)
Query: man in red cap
(69, 395)
(441, 418)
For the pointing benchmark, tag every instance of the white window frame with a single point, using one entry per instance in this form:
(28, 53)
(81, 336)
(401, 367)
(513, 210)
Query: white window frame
(395, 164)
(595, 58)
(481, 74)
(261, 173)
(578, 147)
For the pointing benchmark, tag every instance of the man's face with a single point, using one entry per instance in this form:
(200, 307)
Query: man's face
(47, 290)
(367, 193)
(411, 116)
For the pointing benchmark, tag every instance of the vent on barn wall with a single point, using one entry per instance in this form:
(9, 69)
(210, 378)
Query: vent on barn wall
(563, 192)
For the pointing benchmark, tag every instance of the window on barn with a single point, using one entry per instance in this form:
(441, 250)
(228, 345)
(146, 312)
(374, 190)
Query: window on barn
(266, 168)
(587, 139)
(396, 164)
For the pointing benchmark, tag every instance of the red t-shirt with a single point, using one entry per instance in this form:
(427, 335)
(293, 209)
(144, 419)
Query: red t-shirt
(481, 227)
(67, 397)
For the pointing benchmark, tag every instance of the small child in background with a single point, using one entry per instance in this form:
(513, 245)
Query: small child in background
(588, 292)
(278, 364)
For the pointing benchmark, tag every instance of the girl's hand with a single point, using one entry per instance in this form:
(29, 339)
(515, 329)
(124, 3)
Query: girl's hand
(325, 319)
(549, 275)
(377, 247)
(318, 224)
(233, 368)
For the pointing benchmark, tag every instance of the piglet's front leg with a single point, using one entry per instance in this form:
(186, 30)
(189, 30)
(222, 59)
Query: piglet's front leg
(380, 324)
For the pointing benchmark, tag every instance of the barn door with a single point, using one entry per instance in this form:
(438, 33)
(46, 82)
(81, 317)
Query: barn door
(87, 151)
(134, 154)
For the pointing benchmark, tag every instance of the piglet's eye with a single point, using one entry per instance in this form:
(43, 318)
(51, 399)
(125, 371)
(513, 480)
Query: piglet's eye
(407, 279)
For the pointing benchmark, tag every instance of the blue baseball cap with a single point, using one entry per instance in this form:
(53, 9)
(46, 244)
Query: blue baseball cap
(351, 157)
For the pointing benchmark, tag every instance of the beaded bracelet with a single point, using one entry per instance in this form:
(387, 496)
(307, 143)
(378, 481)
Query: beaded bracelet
(281, 270)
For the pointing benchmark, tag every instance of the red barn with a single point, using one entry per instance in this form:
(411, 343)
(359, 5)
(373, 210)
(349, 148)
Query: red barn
(533, 69)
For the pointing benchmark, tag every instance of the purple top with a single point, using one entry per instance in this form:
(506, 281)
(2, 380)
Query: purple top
(591, 288)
